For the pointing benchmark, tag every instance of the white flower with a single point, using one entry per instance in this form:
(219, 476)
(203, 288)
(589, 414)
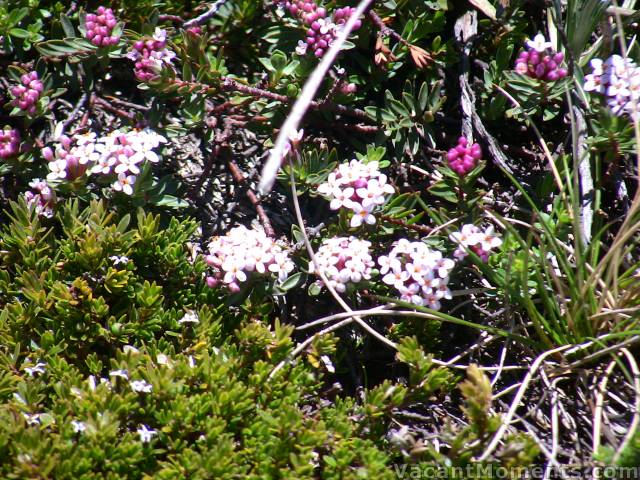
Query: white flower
(160, 35)
(119, 373)
(117, 260)
(341, 198)
(58, 169)
(358, 187)
(146, 434)
(343, 260)
(281, 265)
(471, 236)
(78, 426)
(38, 368)
(233, 271)
(103, 165)
(396, 278)
(416, 272)
(327, 363)
(124, 183)
(190, 317)
(489, 240)
(362, 214)
(242, 251)
(141, 386)
(32, 418)
(130, 349)
(539, 43)
(162, 359)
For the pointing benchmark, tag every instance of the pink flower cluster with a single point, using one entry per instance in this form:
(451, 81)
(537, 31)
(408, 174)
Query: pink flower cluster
(343, 260)
(42, 198)
(418, 273)
(240, 252)
(117, 153)
(27, 94)
(322, 30)
(151, 55)
(541, 61)
(99, 27)
(480, 242)
(464, 158)
(9, 142)
(359, 187)
(618, 80)
(71, 157)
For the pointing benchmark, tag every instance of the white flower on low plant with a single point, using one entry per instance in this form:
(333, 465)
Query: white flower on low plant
(124, 183)
(58, 169)
(362, 214)
(119, 373)
(539, 43)
(32, 418)
(78, 426)
(281, 265)
(119, 259)
(190, 317)
(141, 386)
(146, 433)
(38, 368)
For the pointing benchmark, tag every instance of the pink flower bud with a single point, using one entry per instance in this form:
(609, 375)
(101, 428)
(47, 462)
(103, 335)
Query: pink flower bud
(47, 153)
(360, 183)
(452, 155)
(534, 58)
(65, 142)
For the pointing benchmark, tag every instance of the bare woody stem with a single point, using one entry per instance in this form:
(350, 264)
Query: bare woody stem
(386, 30)
(240, 180)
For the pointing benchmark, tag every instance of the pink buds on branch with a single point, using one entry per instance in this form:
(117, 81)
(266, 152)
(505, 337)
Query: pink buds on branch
(27, 93)
(9, 142)
(464, 158)
(100, 27)
(540, 61)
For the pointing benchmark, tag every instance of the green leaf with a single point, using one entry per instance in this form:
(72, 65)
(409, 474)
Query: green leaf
(169, 201)
(19, 33)
(67, 26)
(16, 15)
(291, 282)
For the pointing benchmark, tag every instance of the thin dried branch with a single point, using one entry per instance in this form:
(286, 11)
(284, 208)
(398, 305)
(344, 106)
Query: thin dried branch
(206, 16)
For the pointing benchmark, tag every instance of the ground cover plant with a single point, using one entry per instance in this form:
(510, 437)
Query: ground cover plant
(307, 239)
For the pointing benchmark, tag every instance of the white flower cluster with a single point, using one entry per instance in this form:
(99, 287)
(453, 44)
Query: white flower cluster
(618, 79)
(480, 242)
(343, 260)
(359, 187)
(418, 273)
(118, 154)
(243, 251)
